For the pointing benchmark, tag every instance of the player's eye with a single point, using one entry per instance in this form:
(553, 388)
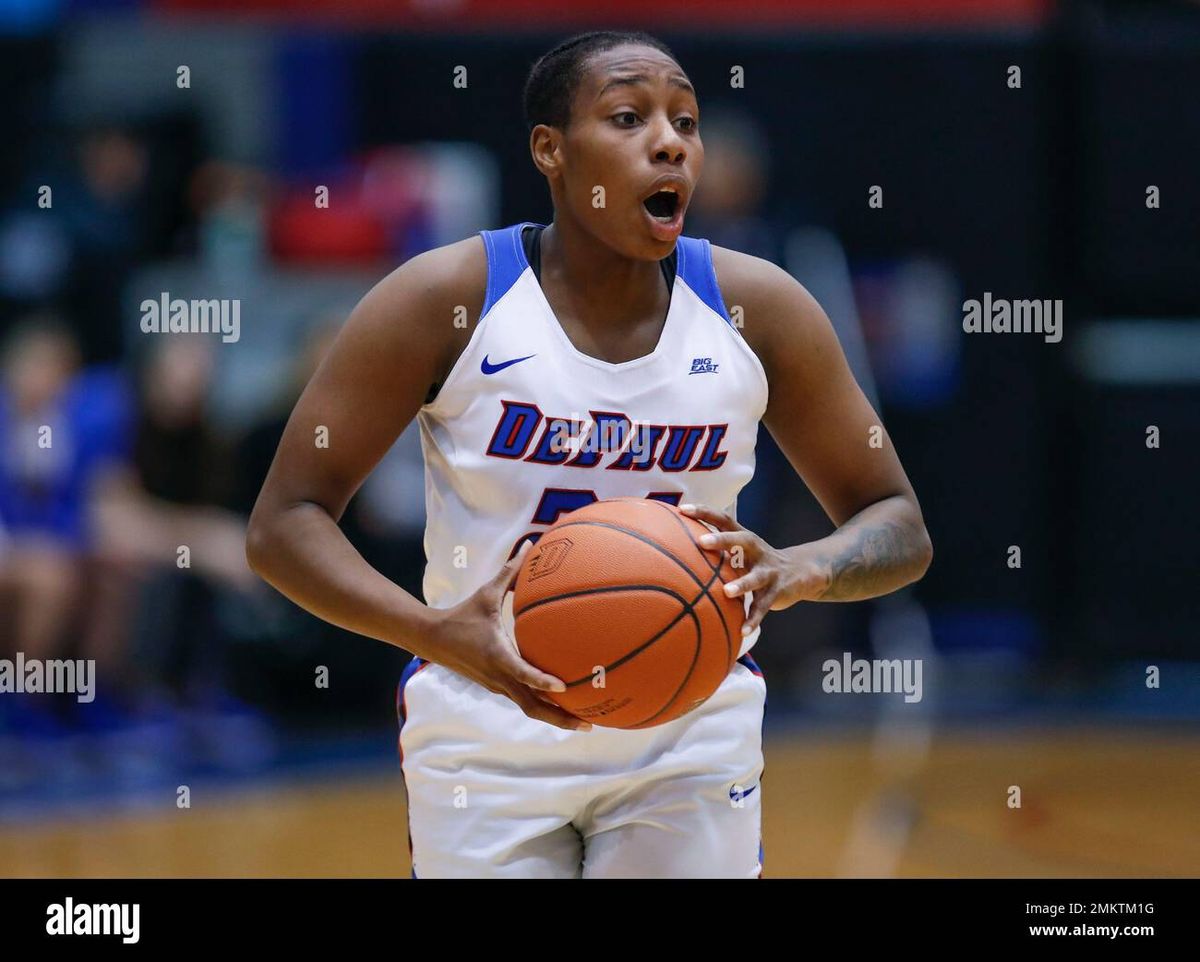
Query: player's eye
(688, 124)
(626, 118)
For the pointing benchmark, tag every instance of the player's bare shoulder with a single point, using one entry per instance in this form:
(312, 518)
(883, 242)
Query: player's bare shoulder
(430, 304)
(456, 272)
(776, 313)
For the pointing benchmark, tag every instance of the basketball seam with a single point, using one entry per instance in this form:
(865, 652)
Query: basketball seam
(675, 558)
(692, 667)
(696, 544)
(674, 513)
(688, 608)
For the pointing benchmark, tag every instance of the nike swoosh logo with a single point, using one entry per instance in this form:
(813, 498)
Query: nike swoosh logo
(734, 794)
(488, 368)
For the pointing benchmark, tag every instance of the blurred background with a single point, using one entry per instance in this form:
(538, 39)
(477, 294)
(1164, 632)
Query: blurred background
(180, 146)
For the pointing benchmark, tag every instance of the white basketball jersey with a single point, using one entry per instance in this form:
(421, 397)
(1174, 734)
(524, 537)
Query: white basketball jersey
(526, 428)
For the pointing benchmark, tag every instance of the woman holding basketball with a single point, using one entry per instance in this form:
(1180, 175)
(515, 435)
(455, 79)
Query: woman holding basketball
(608, 323)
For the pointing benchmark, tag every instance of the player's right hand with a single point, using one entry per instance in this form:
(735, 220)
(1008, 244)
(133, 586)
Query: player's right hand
(470, 638)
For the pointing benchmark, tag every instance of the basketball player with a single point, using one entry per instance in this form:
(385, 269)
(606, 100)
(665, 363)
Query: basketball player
(608, 316)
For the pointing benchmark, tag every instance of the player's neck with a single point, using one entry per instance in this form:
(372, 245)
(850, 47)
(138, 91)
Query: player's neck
(596, 284)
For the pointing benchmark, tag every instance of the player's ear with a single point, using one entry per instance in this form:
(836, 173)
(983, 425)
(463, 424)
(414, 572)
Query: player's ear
(544, 147)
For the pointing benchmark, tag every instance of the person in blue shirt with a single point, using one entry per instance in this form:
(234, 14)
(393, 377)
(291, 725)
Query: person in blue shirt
(61, 425)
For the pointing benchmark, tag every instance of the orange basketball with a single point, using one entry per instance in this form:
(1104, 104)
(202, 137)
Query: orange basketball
(619, 600)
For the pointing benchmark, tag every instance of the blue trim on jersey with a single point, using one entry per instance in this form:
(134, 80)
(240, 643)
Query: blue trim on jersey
(409, 670)
(506, 261)
(752, 665)
(696, 269)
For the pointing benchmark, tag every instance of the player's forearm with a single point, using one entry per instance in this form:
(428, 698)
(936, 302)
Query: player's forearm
(304, 555)
(881, 549)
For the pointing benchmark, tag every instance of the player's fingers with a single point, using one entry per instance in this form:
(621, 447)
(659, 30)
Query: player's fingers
(718, 519)
(518, 669)
(503, 579)
(729, 539)
(508, 573)
(535, 707)
(759, 607)
(752, 580)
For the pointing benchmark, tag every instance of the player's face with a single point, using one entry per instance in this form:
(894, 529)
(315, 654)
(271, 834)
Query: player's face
(634, 132)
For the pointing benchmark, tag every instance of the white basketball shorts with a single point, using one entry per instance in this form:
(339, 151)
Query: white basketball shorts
(493, 793)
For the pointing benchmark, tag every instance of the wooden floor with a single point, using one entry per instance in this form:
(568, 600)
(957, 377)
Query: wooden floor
(1093, 803)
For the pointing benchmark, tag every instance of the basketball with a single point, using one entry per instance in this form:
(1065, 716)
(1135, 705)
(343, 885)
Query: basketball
(619, 600)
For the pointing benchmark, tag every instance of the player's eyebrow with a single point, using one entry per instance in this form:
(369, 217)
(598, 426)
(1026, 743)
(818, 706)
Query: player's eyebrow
(633, 79)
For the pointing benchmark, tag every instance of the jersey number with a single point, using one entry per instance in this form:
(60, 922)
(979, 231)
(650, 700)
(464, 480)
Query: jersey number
(559, 501)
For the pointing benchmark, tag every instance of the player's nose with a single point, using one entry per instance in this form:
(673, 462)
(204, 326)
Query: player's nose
(667, 143)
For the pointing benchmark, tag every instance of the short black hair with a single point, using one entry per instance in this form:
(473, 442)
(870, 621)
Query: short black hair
(554, 78)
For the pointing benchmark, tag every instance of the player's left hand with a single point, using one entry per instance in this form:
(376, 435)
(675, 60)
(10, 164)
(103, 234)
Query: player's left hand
(778, 577)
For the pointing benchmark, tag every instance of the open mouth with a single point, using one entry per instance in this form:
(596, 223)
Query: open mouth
(662, 205)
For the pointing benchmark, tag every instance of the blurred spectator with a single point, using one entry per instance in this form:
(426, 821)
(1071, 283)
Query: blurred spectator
(229, 202)
(79, 251)
(62, 429)
(161, 519)
(729, 204)
(102, 211)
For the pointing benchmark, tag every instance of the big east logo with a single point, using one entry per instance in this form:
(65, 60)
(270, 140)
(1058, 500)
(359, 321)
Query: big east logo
(610, 439)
